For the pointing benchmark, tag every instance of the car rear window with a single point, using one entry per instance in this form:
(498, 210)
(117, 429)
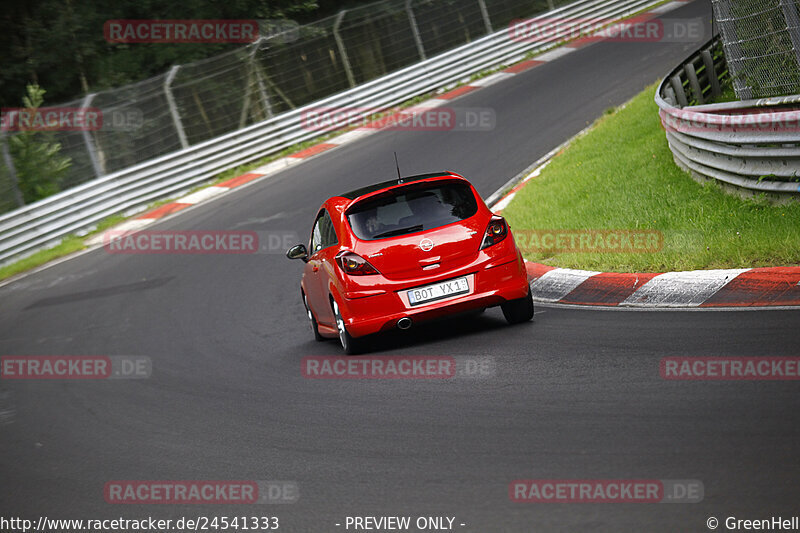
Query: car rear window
(418, 207)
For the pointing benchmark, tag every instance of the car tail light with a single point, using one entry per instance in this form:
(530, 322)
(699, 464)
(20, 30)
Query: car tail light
(495, 232)
(354, 264)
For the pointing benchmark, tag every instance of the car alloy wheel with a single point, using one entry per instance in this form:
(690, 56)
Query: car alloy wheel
(349, 344)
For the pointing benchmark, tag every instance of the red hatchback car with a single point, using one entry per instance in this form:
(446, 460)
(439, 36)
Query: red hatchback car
(405, 251)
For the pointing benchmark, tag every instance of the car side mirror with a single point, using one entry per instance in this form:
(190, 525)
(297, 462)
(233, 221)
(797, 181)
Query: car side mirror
(298, 251)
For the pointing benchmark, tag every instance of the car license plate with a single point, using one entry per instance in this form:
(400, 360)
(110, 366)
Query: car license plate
(438, 291)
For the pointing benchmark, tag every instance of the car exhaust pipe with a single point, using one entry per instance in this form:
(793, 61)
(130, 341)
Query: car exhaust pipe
(404, 323)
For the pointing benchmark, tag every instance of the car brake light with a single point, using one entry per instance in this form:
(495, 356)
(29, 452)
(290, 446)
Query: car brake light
(495, 232)
(354, 264)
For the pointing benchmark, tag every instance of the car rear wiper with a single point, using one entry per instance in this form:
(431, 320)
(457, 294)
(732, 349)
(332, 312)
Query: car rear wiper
(400, 231)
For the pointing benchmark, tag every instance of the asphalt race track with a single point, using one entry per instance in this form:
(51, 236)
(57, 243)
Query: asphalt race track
(574, 395)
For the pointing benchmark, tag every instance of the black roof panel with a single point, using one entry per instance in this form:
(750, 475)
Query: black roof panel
(352, 195)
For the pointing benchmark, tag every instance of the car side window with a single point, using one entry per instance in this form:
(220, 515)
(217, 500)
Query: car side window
(324, 234)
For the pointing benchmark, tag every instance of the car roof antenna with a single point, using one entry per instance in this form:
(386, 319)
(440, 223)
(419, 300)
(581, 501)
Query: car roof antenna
(397, 165)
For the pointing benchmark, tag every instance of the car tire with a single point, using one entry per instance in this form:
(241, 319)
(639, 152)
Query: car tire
(519, 310)
(350, 345)
(312, 320)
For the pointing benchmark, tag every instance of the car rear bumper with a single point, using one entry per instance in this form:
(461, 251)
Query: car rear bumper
(489, 287)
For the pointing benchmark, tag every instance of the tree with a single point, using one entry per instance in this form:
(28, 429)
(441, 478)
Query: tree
(37, 160)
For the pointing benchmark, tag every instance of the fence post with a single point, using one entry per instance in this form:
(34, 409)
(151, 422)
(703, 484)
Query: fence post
(345, 61)
(248, 82)
(173, 109)
(412, 20)
(12, 172)
(262, 91)
(485, 14)
(264, 77)
(677, 86)
(792, 26)
(91, 149)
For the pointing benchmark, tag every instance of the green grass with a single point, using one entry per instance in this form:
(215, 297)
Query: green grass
(621, 175)
(67, 246)
(728, 94)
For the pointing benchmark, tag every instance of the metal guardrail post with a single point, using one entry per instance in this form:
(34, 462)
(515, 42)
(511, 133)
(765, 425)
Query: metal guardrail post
(669, 96)
(711, 72)
(12, 172)
(91, 149)
(789, 8)
(412, 20)
(485, 14)
(173, 109)
(680, 94)
(345, 61)
(691, 74)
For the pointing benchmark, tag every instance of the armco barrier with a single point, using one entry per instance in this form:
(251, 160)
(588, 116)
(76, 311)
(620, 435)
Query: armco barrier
(752, 146)
(44, 222)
